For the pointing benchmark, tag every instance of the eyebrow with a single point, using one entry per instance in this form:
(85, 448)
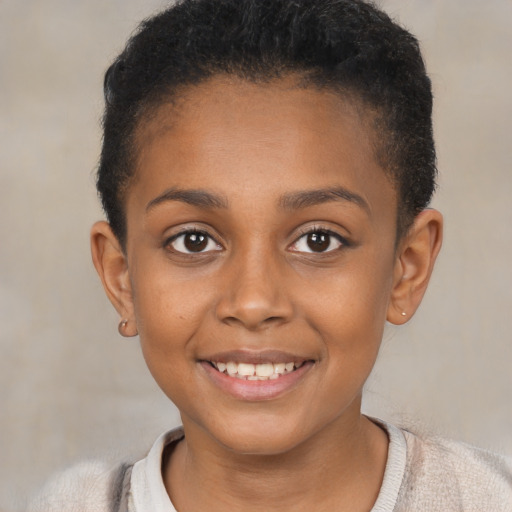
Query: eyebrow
(307, 198)
(291, 201)
(199, 198)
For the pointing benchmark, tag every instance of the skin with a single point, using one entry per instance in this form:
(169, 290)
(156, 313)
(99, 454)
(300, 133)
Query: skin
(259, 154)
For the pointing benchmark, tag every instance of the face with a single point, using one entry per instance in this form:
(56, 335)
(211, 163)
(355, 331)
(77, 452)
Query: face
(260, 252)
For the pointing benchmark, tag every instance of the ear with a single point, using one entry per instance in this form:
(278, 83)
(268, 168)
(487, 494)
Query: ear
(415, 259)
(110, 262)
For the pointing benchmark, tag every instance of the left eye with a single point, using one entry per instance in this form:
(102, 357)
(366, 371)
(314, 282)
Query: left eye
(318, 241)
(191, 242)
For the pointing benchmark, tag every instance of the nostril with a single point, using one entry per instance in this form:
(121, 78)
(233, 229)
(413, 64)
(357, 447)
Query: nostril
(254, 320)
(273, 319)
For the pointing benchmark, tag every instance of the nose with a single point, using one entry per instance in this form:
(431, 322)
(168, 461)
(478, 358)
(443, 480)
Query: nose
(255, 296)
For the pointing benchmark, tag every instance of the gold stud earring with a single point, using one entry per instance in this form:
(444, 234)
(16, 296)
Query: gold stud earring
(121, 327)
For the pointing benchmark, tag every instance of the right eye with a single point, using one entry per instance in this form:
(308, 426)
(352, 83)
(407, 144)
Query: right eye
(193, 242)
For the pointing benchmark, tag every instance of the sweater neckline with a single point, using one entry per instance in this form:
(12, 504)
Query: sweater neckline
(148, 493)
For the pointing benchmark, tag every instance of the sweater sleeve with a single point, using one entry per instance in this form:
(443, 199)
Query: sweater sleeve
(445, 476)
(86, 487)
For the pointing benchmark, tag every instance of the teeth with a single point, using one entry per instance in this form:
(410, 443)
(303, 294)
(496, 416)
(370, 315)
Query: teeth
(245, 369)
(248, 371)
(232, 368)
(264, 370)
(279, 367)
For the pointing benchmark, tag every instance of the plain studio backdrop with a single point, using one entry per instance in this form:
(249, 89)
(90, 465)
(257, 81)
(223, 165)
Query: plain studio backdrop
(71, 387)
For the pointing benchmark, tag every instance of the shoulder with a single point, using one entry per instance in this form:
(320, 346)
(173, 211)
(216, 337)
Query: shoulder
(87, 487)
(99, 486)
(447, 475)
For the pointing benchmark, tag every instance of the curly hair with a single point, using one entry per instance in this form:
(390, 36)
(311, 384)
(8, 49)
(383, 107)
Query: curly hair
(348, 46)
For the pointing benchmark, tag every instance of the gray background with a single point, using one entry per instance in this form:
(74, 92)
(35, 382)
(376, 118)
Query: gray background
(71, 388)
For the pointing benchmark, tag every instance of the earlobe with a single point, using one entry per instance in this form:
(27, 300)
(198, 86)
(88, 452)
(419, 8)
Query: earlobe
(111, 265)
(414, 263)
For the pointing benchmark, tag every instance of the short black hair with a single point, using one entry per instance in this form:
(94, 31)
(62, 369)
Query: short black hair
(349, 46)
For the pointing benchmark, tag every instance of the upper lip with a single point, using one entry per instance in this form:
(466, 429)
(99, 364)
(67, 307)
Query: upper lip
(255, 357)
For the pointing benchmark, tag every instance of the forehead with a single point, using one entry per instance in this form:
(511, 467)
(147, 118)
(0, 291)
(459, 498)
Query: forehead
(275, 136)
(246, 105)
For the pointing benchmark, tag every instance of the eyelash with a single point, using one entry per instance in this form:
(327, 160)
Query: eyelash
(182, 234)
(208, 239)
(343, 242)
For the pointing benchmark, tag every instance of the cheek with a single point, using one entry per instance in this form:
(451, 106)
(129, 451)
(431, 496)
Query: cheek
(351, 323)
(167, 319)
(354, 328)
(168, 310)
(352, 299)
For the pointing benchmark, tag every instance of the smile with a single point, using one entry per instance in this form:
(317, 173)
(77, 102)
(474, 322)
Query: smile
(249, 371)
(256, 376)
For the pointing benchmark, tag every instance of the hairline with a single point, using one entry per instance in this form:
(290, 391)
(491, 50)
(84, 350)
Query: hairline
(370, 115)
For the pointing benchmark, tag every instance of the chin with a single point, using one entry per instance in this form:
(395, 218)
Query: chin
(264, 444)
(260, 437)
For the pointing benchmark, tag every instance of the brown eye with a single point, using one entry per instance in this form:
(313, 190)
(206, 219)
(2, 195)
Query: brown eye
(195, 242)
(318, 241)
(191, 242)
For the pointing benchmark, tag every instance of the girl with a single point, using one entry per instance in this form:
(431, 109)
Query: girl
(266, 173)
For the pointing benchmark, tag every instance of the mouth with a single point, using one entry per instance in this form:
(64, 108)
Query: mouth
(260, 371)
(256, 376)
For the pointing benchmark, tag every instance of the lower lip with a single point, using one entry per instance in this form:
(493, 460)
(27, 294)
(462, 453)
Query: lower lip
(256, 390)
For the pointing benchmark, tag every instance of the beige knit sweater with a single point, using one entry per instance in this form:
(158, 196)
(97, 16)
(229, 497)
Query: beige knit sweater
(422, 475)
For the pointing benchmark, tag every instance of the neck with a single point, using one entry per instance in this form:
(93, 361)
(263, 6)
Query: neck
(340, 468)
